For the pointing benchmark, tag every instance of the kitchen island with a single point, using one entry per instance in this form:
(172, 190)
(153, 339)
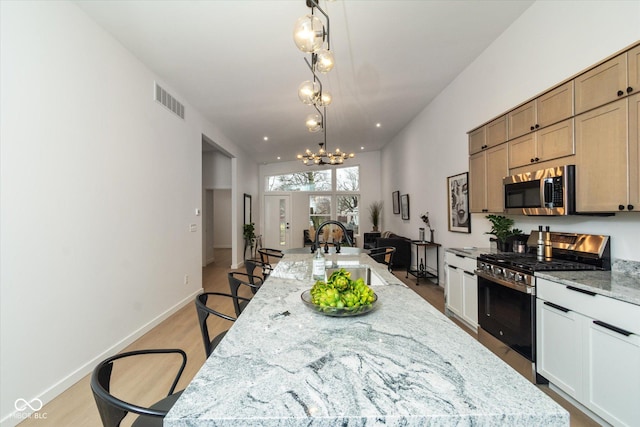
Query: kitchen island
(402, 364)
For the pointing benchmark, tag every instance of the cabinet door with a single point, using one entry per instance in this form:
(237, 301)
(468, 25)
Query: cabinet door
(522, 120)
(477, 183)
(633, 58)
(555, 105)
(555, 141)
(613, 377)
(634, 152)
(601, 158)
(522, 151)
(559, 346)
(477, 140)
(470, 298)
(496, 132)
(605, 83)
(454, 289)
(497, 168)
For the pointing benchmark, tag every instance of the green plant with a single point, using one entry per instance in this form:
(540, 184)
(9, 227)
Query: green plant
(249, 232)
(501, 227)
(375, 210)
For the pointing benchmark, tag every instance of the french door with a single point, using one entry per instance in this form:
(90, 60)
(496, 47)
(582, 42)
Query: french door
(277, 222)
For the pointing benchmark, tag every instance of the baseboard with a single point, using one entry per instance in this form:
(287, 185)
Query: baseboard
(58, 388)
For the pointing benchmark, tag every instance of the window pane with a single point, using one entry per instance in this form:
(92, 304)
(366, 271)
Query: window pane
(319, 210)
(348, 179)
(301, 181)
(348, 212)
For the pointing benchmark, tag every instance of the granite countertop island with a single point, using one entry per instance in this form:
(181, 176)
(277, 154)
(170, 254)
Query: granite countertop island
(402, 364)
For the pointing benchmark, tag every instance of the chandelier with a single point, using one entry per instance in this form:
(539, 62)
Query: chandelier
(311, 36)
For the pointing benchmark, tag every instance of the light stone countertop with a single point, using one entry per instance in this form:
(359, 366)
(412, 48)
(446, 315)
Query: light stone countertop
(470, 252)
(621, 283)
(402, 364)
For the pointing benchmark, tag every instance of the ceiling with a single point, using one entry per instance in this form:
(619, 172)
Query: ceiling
(235, 62)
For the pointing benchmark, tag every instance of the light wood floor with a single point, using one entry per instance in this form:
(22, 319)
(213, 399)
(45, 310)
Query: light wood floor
(76, 407)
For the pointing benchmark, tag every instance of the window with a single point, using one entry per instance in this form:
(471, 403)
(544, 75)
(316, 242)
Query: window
(319, 210)
(348, 179)
(339, 202)
(301, 181)
(347, 212)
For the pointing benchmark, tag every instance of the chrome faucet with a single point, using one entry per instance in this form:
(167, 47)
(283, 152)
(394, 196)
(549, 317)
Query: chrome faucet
(316, 244)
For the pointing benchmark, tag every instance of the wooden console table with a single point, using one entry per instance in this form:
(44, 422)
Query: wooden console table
(422, 270)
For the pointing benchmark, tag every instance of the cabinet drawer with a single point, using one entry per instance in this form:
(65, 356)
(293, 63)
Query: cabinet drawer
(461, 262)
(616, 313)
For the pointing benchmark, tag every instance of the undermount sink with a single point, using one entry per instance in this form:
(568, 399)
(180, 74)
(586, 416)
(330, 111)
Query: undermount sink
(332, 250)
(357, 271)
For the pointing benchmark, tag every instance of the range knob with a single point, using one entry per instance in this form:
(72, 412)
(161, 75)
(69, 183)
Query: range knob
(498, 271)
(510, 275)
(519, 277)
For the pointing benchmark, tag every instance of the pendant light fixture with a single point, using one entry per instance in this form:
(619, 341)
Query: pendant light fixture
(311, 36)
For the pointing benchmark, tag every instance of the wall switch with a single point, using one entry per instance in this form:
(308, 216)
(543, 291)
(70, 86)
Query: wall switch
(197, 212)
(186, 279)
(193, 227)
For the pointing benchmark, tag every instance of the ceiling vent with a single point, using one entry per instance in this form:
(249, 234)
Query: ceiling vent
(165, 98)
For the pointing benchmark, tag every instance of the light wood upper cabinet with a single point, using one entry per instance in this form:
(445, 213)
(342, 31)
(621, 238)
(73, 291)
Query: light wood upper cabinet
(604, 83)
(633, 59)
(522, 151)
(496, 132)
(555, 105)
(551, 142)
(634, 152)
(601, 158)
(522, 120)
(487, 169)
(477, 140)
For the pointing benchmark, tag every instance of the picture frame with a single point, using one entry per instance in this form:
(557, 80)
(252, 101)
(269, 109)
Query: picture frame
(459, 217)
(395, 196)
(404, 206)
(247, 208)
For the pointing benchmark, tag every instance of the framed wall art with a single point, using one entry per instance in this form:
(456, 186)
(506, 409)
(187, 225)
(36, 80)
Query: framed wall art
(395, 196)
(404, 206)
(458, 202)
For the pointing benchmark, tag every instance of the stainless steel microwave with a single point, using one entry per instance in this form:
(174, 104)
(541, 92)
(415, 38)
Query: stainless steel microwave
(543, 192)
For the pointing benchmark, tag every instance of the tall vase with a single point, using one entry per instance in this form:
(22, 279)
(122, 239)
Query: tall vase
(432, 239)
(421, 234)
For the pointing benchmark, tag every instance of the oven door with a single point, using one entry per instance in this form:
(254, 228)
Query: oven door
(508, 314)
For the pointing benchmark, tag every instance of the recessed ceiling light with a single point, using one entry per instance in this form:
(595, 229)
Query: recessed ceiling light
(266, 138)
(378, 125)
(362, 148)
(278, 157)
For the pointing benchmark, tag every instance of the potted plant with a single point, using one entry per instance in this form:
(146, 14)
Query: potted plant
(249, 236)
(501, 228)
(375, 210)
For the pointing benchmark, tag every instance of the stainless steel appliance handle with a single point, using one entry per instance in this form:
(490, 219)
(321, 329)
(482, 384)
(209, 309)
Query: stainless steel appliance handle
(520, 287)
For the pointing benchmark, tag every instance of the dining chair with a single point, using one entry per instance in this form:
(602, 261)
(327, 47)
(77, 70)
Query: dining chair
(113, 409)
(383, 255)
(239, 280)
(266, 255)
(251, 265)
(204, 311)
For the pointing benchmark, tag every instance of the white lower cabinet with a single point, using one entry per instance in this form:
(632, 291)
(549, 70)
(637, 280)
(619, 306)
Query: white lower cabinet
(613, 375)
(461, 289)
(559, 346)
(589, 346)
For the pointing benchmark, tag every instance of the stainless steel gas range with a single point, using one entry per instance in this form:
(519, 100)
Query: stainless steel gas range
(507, 285)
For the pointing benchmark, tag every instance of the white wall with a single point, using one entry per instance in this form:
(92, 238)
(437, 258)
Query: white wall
(216, 170)
(222, 218)
(370, 183)
(99, 184)
(550, 42)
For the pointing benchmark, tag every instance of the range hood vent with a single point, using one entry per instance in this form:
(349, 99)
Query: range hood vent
(165, 98)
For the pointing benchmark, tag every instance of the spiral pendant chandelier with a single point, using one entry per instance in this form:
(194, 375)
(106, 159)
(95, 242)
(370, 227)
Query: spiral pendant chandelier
(311, 36)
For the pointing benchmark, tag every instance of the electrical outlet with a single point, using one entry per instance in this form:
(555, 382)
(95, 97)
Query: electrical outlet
(186, 279)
